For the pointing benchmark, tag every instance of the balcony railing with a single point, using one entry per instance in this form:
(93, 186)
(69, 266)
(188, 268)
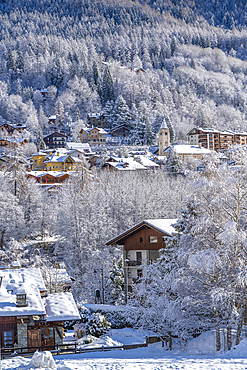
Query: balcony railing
(134, 263)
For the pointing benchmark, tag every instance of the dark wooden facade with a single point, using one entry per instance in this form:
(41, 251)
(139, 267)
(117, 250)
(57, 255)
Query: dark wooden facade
(141, 240)
(55, 140)
(8, 331)
(39, 334)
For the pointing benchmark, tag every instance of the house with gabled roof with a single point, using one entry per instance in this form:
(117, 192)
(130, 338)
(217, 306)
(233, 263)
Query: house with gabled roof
(55, 140)
(94, 135)
(141, 243)
(31, 319)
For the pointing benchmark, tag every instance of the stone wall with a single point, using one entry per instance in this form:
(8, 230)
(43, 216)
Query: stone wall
(22, 335)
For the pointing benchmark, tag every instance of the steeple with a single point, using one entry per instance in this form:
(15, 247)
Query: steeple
(164, 137)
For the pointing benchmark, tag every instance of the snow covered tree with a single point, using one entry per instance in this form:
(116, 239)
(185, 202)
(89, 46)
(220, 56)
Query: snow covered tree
(39, 141)
(42, 118)
(97, 325)
(211, 254)
(173, 163)
(12, 218)
(19, 65)
(171, 129)
(109, 113)
(10, 61)
(59, 110)
(114, 290)
(107, 87)
(121, 111)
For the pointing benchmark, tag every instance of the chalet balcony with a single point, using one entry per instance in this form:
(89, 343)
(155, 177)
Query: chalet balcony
(134, 263)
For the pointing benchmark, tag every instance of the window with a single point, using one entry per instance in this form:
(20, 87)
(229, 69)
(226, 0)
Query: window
(141, 239)
(7, 338)
(153, 239)
(139, 273)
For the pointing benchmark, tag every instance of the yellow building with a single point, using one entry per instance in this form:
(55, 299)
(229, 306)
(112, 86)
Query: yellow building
(54, 162)
(38, 161)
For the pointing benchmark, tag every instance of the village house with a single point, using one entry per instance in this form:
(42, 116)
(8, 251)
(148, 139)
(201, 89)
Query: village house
(213, 139)
(10, 129)
(93, 135)
(48, 92)
(81, 147)
(48, 177)
(55, 140)
(29, 317)
(121, 130)
(9, 141)
(122, 164)
(96, 120)
(53, 161)
(141, 244)
(185, 151)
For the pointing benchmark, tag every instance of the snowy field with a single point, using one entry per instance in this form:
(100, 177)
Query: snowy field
(154, 357)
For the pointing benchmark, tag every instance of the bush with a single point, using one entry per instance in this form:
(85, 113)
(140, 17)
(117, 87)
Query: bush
(97, 325)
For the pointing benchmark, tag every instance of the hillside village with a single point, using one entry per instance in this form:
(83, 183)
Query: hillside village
(123, 177)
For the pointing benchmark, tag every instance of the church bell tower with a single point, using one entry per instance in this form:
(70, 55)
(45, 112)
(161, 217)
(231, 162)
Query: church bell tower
(164, 137)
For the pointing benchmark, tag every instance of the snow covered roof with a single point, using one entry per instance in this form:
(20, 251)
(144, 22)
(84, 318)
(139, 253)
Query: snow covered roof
(95, 115)
(163, 125)
(147, 162)
(57, 158)
(126, 164)
(187, 149)
(51, 173)
(83, 147)
(215, 131)
(57, 134)
(28, 279)
(163, 225)
(39, 153)
(61, 307)
(101, 130)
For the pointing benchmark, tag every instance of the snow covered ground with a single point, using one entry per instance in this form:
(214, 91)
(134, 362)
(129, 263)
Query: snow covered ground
(154, 357)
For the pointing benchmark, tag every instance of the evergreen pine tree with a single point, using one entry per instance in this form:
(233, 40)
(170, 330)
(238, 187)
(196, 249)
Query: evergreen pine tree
(59, 109)
(10, 61)
(171, 129)
(173, 163)
(95, 73)
(19, 87)
(107, 87)
(109, 113)
(42, 118)
(39, 141)
(115, 285)
(121, 111)
(19, 62)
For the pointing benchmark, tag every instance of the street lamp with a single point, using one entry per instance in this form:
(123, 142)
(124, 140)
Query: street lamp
(126, 280)
(102, 282)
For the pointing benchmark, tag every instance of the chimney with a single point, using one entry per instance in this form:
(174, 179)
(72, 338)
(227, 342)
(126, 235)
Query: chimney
(16, 265)
(21, 297)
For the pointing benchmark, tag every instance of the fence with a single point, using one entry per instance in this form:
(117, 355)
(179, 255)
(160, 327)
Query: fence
(67, 348)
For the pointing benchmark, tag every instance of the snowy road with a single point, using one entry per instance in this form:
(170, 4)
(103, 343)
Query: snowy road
(152, 358)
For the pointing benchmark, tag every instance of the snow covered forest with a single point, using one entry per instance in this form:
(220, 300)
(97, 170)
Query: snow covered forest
(138, 62)
(193, 55)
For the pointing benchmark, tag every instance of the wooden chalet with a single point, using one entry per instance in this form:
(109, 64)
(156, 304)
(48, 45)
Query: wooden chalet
(48, 177)
(30, 318)
(10, 129)
(55, 140)
(142, 243)
(121, 130)
(9, 141)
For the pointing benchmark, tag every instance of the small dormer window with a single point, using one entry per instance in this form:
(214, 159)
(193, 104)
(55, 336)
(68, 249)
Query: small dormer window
(21, 298)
